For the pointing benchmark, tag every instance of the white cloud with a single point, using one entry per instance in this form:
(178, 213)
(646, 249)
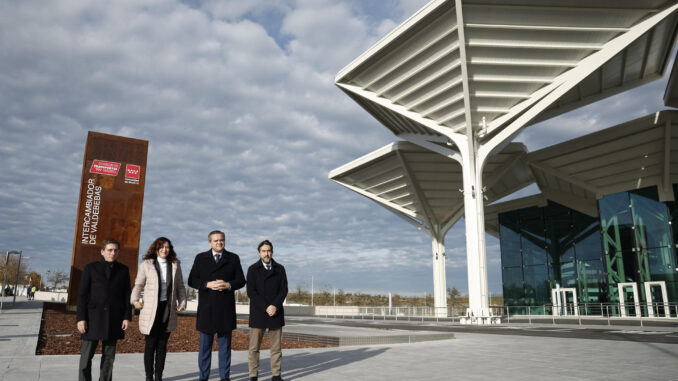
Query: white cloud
(242, 130)
(243, 120)
(236, 9)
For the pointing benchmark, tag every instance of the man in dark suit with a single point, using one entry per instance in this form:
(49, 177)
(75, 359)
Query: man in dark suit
(267, 290)
(103, 311)
(216, 274)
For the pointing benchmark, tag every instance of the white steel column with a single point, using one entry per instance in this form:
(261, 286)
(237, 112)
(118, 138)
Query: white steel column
(476, 257)
(472, 169)
(439, 281)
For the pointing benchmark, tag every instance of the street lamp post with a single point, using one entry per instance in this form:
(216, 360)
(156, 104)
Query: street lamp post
(4, 281)
(16, 279)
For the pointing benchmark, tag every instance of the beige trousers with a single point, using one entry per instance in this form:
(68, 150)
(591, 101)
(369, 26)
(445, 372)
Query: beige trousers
(275, 337)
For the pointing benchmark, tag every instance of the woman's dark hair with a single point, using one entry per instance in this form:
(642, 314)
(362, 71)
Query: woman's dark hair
(265, 242)
(156, 245)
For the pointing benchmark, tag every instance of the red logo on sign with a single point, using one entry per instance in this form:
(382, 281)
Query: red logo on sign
(132, 171)
(105, 167)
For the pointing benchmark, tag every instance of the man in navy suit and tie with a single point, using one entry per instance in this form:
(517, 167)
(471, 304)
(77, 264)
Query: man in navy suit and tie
(216, 274)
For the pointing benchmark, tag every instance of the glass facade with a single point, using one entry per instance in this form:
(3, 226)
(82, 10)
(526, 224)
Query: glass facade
(632, 241)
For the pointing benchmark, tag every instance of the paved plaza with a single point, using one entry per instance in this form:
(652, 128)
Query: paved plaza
(506, 353)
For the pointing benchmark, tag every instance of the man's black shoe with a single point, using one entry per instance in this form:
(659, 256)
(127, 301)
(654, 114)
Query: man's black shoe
(277, 378)
(254, 378)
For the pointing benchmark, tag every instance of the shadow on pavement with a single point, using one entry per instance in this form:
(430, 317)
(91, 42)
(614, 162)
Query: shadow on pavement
(294, 366)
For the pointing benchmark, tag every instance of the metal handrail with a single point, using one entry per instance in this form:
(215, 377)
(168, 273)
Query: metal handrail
(579, 311)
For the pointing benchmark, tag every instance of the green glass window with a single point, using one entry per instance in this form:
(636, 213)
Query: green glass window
(555, 209)
(672, 291)
(531, 213)
(630, 260)
(662, 264)
(533, 242)
(592, 283)
(508, 217)
(509, 244)
(586, 232)
(512, 278)
(537, 291)
(616, 222)
(559, 238)
(635, 239)
(568, 274)
(651, 219)
(673, 213)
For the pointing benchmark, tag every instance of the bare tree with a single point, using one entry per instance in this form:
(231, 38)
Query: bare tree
(13, 270)
(35, 279)
(57, 277)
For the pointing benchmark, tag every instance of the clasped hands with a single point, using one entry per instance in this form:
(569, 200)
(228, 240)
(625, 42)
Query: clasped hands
(139, 305)
(218, 285)
(82, 326)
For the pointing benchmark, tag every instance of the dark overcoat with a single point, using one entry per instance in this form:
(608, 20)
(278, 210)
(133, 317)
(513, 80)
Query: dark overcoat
(104, 302)
(216, 309)
(266, 288)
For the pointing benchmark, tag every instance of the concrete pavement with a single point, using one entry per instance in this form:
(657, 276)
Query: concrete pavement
(469, 356)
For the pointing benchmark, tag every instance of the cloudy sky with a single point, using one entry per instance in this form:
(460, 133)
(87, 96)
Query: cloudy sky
(237, 101)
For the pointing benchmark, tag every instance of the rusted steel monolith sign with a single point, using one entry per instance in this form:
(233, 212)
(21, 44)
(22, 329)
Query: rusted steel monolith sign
(110, 203)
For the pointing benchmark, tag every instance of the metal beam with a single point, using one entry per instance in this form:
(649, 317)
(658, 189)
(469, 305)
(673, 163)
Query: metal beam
(572, 78)
(429, 142)
(429, 217)
(402, 110)
(563, 176)
(371, 196)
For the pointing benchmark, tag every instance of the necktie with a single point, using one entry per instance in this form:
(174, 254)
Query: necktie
(216, 258)
(268, 267)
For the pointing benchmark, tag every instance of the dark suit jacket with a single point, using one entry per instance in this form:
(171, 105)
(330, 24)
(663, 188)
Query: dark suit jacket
(216, 309)
(104, 302)
(266, 288)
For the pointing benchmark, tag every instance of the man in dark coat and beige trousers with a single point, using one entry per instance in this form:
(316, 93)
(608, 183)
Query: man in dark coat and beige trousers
(103, 311)
(216, 274)
(267, 290)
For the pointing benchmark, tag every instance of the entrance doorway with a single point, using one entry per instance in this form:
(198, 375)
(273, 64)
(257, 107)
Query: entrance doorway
(564, 301)
(656, 299)
(629, 303)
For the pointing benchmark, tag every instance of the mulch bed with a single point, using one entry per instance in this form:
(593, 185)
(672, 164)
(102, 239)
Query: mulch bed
(59, 335)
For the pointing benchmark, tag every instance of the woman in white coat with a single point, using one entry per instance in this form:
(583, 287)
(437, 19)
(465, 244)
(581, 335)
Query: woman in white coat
(159, 279)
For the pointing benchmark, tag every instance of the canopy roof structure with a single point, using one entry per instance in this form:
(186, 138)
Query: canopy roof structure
(577, 173)
(423, 187)
(636, 154)
(462, 78)
(511, 54)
